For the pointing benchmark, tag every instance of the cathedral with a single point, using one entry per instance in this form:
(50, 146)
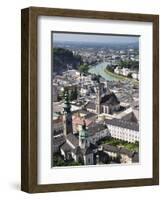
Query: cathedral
(106, 101)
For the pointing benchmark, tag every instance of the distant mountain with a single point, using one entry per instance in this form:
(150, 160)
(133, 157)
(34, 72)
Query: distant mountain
(64, 59)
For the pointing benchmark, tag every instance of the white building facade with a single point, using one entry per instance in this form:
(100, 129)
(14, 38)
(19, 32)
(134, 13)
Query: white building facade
(123, 130)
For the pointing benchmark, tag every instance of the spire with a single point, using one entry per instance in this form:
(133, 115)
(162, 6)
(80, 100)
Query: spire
(67, 115)
(84, 125)
(98, 98)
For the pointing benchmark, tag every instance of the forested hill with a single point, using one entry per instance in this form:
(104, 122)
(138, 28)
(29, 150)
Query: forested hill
(64, 57)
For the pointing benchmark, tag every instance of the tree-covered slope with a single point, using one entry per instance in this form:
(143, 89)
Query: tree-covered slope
(63, 58)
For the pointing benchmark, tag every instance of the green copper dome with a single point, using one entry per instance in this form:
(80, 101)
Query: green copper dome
(83, 133)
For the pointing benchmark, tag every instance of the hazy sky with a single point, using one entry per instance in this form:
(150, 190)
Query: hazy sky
(62, 37)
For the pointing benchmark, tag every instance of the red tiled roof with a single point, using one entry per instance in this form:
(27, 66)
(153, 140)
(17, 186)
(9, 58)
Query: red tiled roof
(79, 121)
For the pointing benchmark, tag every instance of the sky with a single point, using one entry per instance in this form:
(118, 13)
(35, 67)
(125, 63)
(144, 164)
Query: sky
(69, 37)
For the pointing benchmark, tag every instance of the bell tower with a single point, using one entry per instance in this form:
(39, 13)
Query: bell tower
(108, 87)
(67, 115)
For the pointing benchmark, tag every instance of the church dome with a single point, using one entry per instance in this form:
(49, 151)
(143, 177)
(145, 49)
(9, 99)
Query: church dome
(83, 134)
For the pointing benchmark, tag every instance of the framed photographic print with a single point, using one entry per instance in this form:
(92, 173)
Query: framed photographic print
(90, 99)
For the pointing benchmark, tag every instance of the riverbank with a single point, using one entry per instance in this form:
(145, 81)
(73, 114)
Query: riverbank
(117, 76)
(120, 77)
(101, 69)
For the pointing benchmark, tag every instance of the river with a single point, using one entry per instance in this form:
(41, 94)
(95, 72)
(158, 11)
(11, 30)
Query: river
(99, 69)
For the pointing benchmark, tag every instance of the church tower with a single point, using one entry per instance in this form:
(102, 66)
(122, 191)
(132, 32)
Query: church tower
(108, 87)
(98, 99)
(67, 115)
(83, 137)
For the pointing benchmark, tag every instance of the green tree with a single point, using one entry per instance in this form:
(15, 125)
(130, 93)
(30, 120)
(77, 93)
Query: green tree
(58, 161)
(73, 163)
(83, 69)
(129, 75)
(123, 64)
(73, 94)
